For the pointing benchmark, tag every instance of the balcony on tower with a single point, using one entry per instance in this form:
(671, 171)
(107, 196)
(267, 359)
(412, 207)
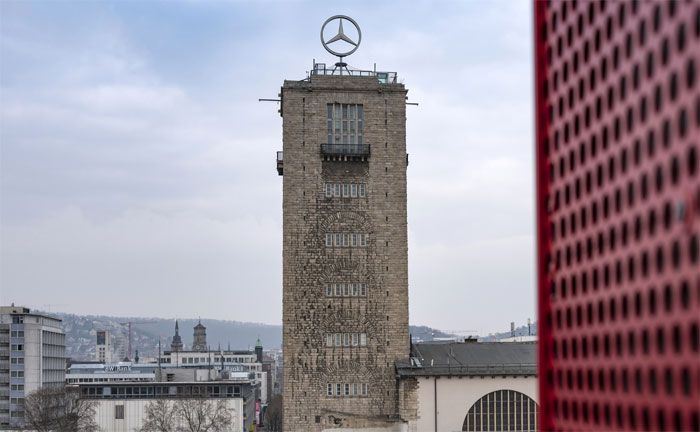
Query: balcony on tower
(345, 152)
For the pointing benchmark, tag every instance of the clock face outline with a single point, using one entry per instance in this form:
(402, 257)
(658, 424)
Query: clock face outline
(341, 36)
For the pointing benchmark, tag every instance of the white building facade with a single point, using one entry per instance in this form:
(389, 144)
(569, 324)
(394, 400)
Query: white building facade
(472, 386)
(32, 356)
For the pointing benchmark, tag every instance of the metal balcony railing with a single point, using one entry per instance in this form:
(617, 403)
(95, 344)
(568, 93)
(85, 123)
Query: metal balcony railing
(345, 149)
(280, 162)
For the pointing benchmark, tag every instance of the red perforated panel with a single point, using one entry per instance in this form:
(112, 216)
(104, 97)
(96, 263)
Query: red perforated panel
(618, 133)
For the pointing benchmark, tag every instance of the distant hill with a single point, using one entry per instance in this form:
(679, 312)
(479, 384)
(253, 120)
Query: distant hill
(80, 334)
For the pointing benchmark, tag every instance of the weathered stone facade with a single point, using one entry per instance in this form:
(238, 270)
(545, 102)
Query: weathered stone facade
(309, 265)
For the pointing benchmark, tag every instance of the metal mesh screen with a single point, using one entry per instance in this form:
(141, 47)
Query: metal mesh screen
(618, 144)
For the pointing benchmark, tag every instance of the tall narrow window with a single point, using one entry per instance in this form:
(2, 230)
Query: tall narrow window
(346, 290)
(363, 339)
(355, 339)
(365, 389)
(338, 290)
(339, 240)
(355, 391)
(346, 339)
(329, 340)
(346, 240)
(361, 189)
(355, 289)
(338, 339)
(336, 190)
(119, 412)
(345, 123)
(346, 190)
(329, 390)
(329, 240)
(337, 389)
(347, 389)
(353, 190)
(329, 290)
(363, 290)
(329, 190)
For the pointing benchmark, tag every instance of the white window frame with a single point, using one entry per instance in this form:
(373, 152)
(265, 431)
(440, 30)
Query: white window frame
(338, 240)
(337, 389)
(346, 290)
(338, 290)
(361, 192)
(353, 240)
(363, 339)
(364, 239)
(329, 339)
(329, 290)
(329, 240)
(354, 389)
(346, 240)
(363, 290)
(329, 389)
(336, 190)
(329, 190)
(346, 339)
(355, 289)
(347, 389)
(355, 339)
(346, 190)
(353, 190)
(365, 389)
(338, 339)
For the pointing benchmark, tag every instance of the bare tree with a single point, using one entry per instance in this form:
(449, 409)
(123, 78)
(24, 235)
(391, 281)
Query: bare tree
(187, 415)
(60, 409)
(203, 415)
(159, 416)
(273, 414)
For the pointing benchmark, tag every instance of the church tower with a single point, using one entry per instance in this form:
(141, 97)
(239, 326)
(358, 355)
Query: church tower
(345, 277)
(199, 341)
(176, 344)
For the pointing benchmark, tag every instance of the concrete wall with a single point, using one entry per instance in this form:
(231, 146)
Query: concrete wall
(456, 395)
(134, 410)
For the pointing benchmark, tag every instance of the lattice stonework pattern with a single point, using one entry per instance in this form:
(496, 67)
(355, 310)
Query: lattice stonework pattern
(345, 300)
(618, 139)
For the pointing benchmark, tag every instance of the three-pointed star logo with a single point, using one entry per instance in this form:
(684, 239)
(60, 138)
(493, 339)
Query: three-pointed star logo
(341, 35)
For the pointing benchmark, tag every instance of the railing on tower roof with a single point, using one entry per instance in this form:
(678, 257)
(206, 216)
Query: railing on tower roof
(383, 77)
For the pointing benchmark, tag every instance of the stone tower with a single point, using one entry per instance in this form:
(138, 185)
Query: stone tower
(345, 281)
(199, 341)
(176, 344)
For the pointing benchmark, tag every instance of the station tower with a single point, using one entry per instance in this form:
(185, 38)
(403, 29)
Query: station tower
(345, 281)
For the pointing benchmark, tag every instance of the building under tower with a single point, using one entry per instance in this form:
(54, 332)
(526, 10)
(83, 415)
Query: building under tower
(345, 283)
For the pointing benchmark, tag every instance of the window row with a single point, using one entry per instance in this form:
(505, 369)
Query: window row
(346, 290)
(17, 347)
(17, 374)
(16, 360)
(17, 333)
(353, 389)
(346, 339)
(345, 190)
(19, 387)
(346, 240)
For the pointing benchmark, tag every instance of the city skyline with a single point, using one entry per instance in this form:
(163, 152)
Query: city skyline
(137, 164)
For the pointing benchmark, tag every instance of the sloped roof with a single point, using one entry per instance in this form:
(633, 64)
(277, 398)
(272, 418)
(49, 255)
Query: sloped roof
(471, 358)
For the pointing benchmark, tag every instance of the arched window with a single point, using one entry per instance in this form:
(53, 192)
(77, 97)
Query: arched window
(502, 410)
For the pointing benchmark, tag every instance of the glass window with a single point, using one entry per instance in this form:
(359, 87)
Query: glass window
(346, 190)
(346, 240)
(355, 289)
(337, 389)
(338, 240)
(363, 290)
(329, 390)
(338, 340)
(365, 389)
(329, 290)
(119, 412)
(329, 340)
(353, 240)
(346, 290)
(363, 339)
(347, 389)
(329, 240)
(329, 190)
(346, 339)
(336, 190)
(338, 290)
(355, 339)
(361, 189)
(353, 190)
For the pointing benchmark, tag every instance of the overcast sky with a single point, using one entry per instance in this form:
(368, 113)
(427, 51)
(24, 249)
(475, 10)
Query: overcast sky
(138, 169)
